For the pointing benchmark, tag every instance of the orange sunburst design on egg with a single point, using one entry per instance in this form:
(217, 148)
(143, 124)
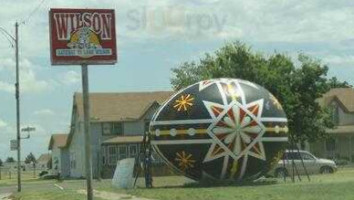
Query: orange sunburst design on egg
(184, 103)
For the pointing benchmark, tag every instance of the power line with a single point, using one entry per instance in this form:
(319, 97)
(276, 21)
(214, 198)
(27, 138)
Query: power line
(33, 12)
(8, 38)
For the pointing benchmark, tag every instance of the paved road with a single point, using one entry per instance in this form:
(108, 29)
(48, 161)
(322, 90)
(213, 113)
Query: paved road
(4, 195)
(7, 190)
(26, 186)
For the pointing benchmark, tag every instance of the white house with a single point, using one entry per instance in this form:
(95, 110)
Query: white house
(60, 155)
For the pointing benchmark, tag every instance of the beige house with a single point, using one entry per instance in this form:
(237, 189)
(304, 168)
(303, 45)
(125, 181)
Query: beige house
(340, 145)
(44, 161)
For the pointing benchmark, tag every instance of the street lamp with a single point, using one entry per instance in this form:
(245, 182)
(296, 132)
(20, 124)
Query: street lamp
(28, 129)
(12, 39)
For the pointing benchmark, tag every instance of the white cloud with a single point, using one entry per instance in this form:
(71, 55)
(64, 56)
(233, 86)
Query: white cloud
(29, 81)
(7, 87)
(44, 112)
(3, 124)
(70, 77)
(339, 60)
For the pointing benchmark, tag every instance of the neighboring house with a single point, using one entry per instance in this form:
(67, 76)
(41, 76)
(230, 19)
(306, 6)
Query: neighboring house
(44, 161)
(118, 122)
(13, 165)
(60, 154)
(340, 145)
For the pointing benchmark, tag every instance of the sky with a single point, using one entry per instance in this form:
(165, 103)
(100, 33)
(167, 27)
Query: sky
(152, 38)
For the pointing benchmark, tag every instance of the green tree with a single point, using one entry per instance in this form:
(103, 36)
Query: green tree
(1, 163)
(30, 159)
(334, 83)
(10, 159)
(296, 86)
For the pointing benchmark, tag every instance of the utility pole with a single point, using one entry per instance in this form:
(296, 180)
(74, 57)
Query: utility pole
(17, 95)
(17, 85)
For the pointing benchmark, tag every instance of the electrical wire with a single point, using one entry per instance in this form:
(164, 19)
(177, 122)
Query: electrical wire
(33, 12)
(7, 36)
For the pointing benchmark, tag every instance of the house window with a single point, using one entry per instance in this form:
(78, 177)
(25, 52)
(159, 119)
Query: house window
(107, 128)
(112, 155)
(117, 128)
(122, 151)
(72, 161)
(103, 153)
(56, 163)
(133, 150)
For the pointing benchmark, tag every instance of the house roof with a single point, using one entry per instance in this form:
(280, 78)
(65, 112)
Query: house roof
(130, 106)
(57, 141)
(124, 140)
(44, 157)
(344, 96)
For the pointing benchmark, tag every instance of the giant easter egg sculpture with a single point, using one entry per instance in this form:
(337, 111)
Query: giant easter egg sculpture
(222, 129)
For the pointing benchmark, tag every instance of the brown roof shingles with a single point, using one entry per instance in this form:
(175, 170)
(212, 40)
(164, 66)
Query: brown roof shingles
(57, 141)
(120, 106)
(344, 96)
(44, 157)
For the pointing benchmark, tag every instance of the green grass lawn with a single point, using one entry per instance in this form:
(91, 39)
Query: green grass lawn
(333, 186)
(50, 194)
(8, 178)
(324, 187)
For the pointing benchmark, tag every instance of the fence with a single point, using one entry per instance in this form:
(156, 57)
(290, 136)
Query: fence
(8, 173)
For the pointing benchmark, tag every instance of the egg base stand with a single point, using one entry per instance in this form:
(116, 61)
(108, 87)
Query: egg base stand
(294, 149)
(143, 161)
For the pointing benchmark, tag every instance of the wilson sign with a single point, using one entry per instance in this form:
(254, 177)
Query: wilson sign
(82, 36)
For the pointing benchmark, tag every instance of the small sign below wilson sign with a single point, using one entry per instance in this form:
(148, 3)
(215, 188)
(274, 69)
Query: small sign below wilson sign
(82, 36)
(13, 145)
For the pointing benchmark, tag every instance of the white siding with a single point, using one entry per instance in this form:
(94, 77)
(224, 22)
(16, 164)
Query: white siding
(76, 150)
(56, 161)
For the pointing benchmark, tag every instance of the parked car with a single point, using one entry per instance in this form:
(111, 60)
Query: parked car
(312, 164)
(42, 173)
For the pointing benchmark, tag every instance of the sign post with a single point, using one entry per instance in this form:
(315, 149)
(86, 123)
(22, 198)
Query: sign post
(83, 37)
(87, 128)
